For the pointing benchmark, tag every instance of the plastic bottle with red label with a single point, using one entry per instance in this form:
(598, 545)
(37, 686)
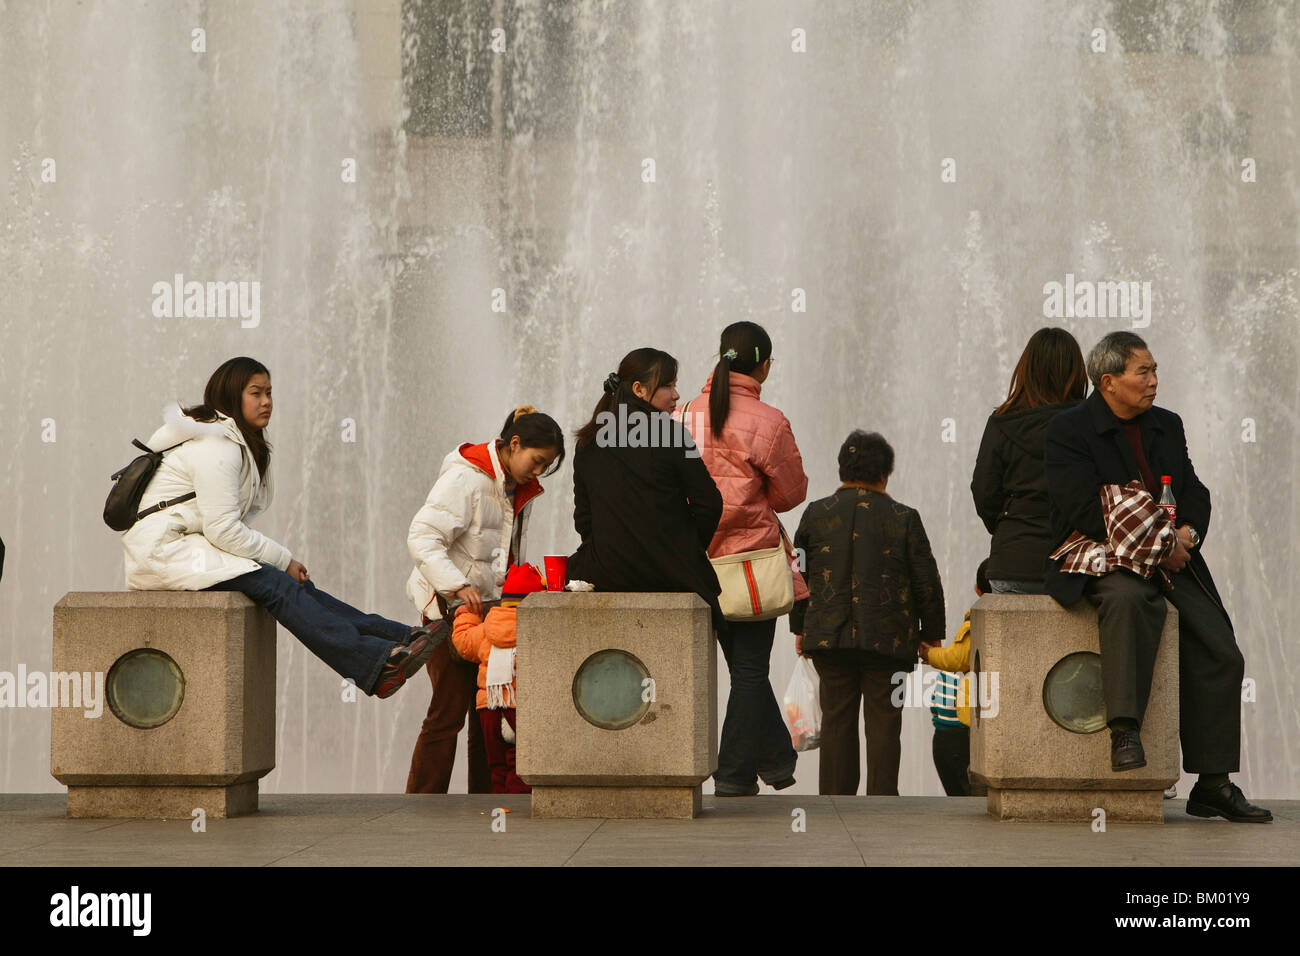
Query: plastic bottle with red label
(1167, 498)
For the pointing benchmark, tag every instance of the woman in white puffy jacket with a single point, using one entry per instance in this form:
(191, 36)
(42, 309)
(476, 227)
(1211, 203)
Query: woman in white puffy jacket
(469, 531)
(221, 466)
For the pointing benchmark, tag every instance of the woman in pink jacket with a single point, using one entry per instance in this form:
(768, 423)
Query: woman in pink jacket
(750, 451)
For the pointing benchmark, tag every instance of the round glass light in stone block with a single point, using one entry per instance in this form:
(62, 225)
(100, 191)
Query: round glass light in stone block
(1072, 693)
(608, 689)
(145, 688)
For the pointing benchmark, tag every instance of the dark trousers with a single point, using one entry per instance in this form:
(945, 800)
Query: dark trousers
(951, 750)
(847, 679)
(1130, 616)
(501, 755)
(1210, 665)
(455, 684)
(1210, 671)
(355, 644)
(755, 741)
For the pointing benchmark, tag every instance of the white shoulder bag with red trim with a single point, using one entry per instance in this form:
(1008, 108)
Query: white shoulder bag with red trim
(756, 585)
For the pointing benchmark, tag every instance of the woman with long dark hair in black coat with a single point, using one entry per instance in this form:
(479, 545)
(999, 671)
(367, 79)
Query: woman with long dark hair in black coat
(1009, 484)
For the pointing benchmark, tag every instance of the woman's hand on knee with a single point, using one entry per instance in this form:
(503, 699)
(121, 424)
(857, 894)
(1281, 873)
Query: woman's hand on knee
(296, 571)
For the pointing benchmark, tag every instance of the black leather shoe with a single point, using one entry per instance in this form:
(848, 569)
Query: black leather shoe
(1226, 801)
(1126, 750)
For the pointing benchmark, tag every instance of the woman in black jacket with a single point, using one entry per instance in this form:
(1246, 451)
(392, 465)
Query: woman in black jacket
(1009, 485)
(644, 504)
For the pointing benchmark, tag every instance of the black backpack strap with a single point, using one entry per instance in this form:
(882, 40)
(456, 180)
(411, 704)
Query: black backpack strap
(165, 504)
(145, 448)
(162, 504)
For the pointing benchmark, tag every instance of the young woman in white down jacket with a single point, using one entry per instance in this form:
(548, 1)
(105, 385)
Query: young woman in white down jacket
(461, 542)
(206, 543)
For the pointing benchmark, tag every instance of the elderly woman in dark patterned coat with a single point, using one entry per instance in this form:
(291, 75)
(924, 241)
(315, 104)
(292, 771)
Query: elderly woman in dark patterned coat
(875, 596)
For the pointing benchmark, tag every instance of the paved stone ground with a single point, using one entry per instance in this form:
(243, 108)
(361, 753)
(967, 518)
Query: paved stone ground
(435, 830)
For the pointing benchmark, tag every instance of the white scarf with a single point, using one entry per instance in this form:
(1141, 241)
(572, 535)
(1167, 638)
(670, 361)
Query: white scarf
(501, 678)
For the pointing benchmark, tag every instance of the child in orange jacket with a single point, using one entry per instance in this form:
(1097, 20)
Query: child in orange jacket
(490, 643)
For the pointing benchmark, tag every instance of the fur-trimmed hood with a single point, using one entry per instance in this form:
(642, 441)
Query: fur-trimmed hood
(178, 427)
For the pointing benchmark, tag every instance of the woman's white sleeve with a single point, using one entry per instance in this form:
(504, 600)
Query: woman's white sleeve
(217, 464)
(441, 520)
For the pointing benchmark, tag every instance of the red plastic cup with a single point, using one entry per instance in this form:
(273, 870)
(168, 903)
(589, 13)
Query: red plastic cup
(556, 569)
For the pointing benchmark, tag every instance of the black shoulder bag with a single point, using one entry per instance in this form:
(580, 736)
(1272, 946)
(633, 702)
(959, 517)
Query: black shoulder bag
(121, 510)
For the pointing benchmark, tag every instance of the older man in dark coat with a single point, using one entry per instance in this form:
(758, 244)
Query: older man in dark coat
(1115, 436)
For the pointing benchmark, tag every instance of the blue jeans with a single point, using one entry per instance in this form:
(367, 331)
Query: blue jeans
(755, 740)
(352, 642)
(1000, 586)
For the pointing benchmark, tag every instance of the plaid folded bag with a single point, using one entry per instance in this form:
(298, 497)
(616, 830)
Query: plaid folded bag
(1139, 535)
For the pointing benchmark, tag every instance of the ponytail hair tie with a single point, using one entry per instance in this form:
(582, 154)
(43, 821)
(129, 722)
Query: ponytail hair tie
(612, 382)
(523, 410)
(729, 355)
(756, 358)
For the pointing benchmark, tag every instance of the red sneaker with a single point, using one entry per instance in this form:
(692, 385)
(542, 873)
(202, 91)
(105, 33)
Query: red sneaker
(406, 659)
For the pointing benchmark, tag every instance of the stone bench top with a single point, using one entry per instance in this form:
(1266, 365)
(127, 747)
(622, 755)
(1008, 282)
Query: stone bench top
(613, 601)
(1035, 604)
(166, 600)
(1021, 602)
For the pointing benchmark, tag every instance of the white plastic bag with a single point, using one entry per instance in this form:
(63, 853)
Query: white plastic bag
(803, 709)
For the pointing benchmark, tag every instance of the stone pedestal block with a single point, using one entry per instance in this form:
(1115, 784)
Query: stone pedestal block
(1034, 767)
(1121, 806)
(189, 716)
(617, 703)
(617, 803)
